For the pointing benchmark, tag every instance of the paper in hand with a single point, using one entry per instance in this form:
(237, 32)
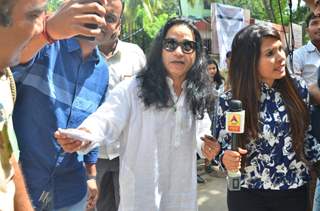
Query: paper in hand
(83, 136)
(80, 135)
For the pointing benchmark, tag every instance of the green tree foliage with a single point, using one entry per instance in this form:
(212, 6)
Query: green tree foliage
(53, 5)
(144, 18)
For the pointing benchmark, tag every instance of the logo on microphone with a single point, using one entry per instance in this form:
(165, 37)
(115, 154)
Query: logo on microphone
(234, 123)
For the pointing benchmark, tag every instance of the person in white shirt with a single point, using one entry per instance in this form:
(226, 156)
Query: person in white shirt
(315, 8)
(154, 116)
(306, 59)
(306, 62)
(124, 60)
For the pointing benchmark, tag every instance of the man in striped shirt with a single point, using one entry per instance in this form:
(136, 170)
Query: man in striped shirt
(58, 87)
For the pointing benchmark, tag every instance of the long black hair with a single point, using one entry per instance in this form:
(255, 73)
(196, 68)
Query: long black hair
(154, 90)
(245, 85)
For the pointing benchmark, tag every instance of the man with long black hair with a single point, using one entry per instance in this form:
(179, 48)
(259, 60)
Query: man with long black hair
(154, 117)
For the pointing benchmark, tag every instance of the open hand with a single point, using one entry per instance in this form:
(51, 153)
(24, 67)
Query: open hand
(69, 144)
(211, 147)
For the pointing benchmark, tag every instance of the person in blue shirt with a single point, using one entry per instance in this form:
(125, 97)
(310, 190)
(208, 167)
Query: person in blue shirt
(276, 147)
(59, 87)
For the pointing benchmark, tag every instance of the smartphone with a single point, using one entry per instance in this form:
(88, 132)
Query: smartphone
(89, 25)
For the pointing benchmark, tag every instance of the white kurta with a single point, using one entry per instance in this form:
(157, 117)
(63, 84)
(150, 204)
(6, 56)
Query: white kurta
(126, 61)
(157, 150)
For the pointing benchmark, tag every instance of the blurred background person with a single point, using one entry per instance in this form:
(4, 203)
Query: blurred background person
(217, 86)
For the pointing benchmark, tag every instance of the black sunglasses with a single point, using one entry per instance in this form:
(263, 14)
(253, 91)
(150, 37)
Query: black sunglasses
(187, 46)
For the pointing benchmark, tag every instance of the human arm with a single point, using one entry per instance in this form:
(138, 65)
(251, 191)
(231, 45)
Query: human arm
(311, 145)
(108, 121)
(208, 146)
(21, 198)
(314, 91)
(93, 192)
(65, 23)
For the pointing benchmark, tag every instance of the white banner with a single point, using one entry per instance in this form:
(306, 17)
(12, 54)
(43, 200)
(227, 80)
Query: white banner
(229, 20)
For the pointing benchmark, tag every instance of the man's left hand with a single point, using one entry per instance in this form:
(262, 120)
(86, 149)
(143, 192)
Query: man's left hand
(93, 194)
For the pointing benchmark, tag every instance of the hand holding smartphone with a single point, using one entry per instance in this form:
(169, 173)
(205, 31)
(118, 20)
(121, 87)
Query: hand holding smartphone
(89, 25)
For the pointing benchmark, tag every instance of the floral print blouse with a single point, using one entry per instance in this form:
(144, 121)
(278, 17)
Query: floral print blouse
(271, 162)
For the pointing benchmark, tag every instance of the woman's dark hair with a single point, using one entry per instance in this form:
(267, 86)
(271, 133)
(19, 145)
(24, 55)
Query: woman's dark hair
(154, 90)
(218, 78)
(245, 86)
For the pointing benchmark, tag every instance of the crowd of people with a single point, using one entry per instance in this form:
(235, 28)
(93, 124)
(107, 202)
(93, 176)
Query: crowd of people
(153, 113)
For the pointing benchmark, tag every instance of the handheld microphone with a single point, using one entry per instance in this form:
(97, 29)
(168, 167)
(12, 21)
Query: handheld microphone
(234, 125)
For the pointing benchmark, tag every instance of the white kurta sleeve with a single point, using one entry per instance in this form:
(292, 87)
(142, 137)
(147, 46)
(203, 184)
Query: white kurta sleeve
(112, 116)
(202, 128)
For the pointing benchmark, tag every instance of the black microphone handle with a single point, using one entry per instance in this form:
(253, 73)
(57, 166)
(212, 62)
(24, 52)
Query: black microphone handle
(234, 146)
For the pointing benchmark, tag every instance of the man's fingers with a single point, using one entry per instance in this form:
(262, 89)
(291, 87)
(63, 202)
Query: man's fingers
(72, 147)
(83, 30)
(92, 8)
(89, 18)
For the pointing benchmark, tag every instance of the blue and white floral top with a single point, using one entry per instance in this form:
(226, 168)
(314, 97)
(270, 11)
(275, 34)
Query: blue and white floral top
(271, 162)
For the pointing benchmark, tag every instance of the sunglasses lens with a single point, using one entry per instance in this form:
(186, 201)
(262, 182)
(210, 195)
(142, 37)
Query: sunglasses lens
(170, 45)
(111, 18)
(188, 46)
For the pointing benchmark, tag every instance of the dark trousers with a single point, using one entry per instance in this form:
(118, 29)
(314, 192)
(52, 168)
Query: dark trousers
(268, 200)
(108, 181)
